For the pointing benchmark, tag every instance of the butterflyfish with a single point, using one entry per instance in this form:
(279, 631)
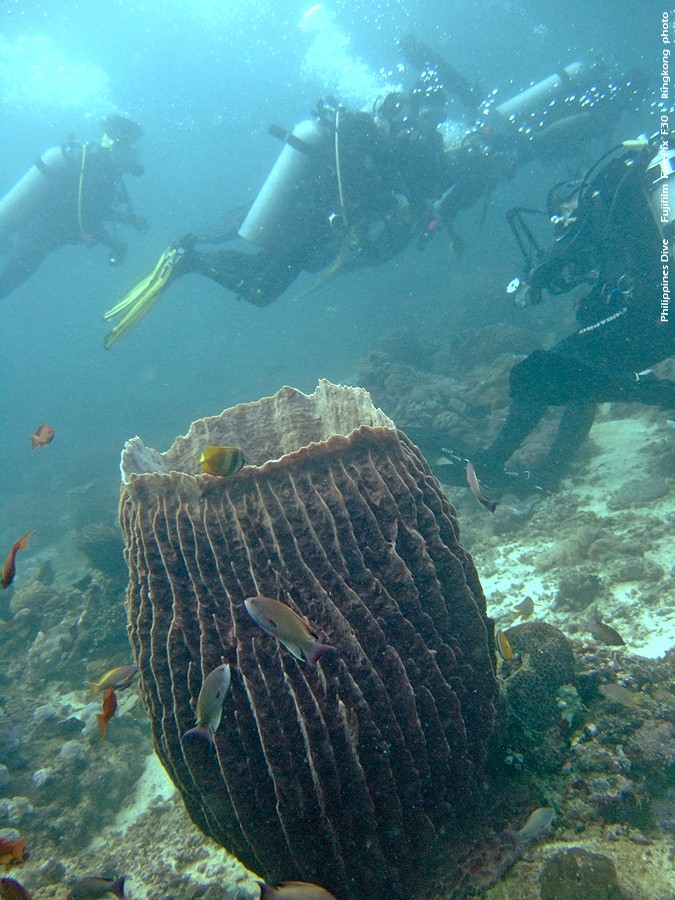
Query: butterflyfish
(109, 710)
(9, 568)
(93, 886)
(294, 890)
(290, 629)
(210, 703)
(44, 435)
(476, 490)
(221, 460)
(503, 646)
(119, 677)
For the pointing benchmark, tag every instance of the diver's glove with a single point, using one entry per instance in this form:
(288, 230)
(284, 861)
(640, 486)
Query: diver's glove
(141, 298)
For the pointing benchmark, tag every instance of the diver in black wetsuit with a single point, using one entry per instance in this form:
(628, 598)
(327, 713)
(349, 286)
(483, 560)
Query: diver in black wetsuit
(349, 189)
(611, 234)
(354, 188)
(68, 197)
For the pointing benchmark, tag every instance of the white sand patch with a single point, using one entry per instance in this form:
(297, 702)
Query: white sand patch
(567, 529)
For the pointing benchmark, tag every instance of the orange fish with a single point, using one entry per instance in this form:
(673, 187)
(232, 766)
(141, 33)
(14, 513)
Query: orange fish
(294, 890)
(9, 568)
(43, 436)
(109, 709)
(12, 890)
(12, 852)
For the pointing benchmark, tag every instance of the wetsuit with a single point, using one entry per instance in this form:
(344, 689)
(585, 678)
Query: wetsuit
(388, 186)
(82, 196)
(620, 331)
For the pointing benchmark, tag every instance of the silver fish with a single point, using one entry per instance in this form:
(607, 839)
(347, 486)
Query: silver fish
(210, 703)
(538, 823)
(475, 488)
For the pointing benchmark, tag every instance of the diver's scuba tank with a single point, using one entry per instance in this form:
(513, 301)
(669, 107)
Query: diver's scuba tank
(268, 219)
(21, 203)
(545, 104)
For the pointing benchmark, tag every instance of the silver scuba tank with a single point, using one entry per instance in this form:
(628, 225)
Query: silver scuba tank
(537, 108)
(268, 219)
(21, 203)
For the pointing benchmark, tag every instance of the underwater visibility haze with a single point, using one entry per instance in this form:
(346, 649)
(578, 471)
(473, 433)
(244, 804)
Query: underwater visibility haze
(510, 684)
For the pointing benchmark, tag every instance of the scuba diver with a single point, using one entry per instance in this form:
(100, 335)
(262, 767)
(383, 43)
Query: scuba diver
(356, 188)
(611, 231)
(67, 197)
(349, 189)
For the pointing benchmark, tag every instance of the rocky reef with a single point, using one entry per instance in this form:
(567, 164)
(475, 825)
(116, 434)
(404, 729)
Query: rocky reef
(589, 730)
(351, 772)
(60, 785)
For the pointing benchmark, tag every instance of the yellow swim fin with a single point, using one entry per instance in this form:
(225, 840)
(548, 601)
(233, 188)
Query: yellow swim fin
(141, 298)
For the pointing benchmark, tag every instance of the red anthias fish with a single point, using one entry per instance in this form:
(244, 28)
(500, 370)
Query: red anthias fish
(12, 852)
(9, 568)
(109, 709)
(43, 436)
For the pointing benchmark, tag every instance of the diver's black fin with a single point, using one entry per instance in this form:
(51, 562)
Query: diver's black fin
(422, 57)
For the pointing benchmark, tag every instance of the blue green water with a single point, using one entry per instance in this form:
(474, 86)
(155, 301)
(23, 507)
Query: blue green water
(205, 79)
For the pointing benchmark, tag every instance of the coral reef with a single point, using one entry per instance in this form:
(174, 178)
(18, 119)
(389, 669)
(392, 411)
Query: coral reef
(577, 589)
(454, 389)
(622, 757)
(542, 663)
(348, 773)
(59, 784)
(606, 763)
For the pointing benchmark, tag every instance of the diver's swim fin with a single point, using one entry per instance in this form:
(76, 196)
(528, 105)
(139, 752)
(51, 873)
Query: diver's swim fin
(423, 57)
(141, 298)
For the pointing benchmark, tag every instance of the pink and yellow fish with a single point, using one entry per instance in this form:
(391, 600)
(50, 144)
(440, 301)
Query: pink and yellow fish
(290, 629)
(109, 710)
(119, 677)
(9, 568)
(294, 890)
(43, 435)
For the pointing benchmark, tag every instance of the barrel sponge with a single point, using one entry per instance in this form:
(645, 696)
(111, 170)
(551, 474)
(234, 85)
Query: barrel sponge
(348, 772)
